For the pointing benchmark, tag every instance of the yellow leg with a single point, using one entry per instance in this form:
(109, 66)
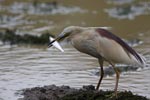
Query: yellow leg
(102, 74)
(117, 78)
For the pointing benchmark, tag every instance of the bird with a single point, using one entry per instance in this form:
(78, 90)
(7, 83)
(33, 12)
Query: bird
(103, 45)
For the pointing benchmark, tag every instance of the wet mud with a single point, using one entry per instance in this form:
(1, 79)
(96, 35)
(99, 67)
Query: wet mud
(53, 92)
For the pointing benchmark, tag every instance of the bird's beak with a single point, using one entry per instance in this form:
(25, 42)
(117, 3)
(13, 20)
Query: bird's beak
(60, 37)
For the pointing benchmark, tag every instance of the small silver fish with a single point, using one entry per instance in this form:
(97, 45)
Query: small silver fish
(56, 44)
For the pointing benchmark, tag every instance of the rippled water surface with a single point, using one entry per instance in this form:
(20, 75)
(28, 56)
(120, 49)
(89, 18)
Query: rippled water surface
(29, 66)
(22, 67)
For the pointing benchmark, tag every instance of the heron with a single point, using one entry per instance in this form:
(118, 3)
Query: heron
(103, 45)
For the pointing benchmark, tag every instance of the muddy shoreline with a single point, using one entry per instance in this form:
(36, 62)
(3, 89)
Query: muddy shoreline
(53, 92)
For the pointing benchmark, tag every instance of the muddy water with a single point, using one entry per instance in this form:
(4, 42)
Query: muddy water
(24, 67)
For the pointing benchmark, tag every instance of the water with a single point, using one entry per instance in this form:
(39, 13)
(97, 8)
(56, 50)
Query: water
(28, 66)
(22, 67)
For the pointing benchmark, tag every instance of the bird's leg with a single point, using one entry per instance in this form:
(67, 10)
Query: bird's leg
(117, 78)
(102, 73)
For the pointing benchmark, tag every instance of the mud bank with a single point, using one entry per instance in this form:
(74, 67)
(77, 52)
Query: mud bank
(53, 92)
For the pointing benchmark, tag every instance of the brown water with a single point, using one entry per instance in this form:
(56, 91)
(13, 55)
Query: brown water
(24, 67)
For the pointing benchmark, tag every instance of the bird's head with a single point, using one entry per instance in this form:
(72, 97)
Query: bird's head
(68, 31)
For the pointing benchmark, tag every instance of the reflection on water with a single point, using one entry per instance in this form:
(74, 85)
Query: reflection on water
(22, 67)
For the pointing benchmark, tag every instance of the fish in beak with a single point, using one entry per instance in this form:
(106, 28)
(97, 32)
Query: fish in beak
(60, 37)
(53, 42)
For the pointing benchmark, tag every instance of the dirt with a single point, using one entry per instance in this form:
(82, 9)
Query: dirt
(53, 92)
